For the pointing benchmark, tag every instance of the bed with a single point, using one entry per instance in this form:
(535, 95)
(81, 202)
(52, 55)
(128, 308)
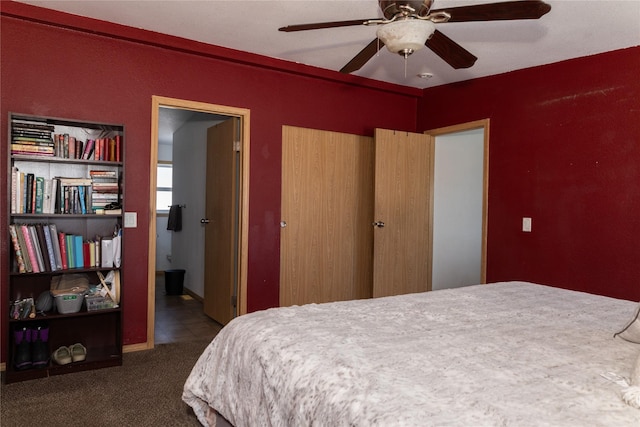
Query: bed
(503, 354)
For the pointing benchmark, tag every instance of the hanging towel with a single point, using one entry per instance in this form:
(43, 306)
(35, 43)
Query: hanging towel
(175, 218)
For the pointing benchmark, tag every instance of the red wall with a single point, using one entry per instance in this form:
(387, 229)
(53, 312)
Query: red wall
(565, 151)
(564, 144)
(58, 69)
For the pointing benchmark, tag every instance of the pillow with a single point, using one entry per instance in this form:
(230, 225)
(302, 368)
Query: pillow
(631, 332)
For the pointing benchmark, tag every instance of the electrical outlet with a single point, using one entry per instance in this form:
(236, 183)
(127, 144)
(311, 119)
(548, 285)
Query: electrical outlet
(526, 225)
(130, 219)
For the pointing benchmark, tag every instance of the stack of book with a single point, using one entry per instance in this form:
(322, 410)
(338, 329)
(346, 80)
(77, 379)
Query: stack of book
(105, 190)
(31, 138)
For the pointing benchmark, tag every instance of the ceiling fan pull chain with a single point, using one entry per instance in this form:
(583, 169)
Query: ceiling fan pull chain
(406, 60)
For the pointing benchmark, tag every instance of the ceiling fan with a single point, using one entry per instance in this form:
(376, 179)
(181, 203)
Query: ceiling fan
(409, 25)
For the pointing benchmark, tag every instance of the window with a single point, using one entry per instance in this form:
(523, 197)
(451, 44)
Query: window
(164, 184)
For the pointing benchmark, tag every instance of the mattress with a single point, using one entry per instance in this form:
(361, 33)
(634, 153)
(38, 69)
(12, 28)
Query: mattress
(503, 354)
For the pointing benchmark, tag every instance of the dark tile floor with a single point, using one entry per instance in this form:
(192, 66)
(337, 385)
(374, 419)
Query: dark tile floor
(180, 317)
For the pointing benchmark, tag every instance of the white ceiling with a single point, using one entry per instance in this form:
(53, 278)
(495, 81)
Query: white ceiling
(573, 28)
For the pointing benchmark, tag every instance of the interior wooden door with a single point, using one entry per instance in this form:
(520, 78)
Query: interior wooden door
(327, 206)
(221, 230)
(402, 197)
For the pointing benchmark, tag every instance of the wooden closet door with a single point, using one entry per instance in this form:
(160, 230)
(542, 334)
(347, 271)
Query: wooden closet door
(327, 206)
(402, 197)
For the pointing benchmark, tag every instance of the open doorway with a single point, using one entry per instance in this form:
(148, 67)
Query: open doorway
(192, 119)
(459, 204)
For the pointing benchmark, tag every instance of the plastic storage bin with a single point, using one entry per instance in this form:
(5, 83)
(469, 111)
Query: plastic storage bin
(69, 303)
(99, 303)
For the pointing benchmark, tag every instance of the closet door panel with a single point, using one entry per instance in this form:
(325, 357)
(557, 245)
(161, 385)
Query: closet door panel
(402, 197)
(327, 206)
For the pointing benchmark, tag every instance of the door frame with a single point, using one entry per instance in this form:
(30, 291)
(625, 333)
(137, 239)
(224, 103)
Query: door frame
(243, 212)
(433, 133)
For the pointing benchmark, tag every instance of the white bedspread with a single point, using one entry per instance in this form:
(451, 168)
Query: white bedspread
(505, 354)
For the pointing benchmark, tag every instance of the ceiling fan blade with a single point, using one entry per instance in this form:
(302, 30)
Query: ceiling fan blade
(451, 52)
(525, 9)
(362, 57)
(321, 25)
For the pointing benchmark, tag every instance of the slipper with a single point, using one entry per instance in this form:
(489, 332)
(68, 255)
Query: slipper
(78, 352)
(62, 356)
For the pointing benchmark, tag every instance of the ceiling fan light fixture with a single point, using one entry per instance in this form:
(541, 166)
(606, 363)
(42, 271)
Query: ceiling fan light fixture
(406, 36)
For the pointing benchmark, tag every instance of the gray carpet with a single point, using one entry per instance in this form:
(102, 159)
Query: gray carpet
(145, 391)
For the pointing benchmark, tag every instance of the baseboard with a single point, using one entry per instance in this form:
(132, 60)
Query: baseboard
(130, 348)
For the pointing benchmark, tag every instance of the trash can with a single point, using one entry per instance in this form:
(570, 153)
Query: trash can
(173, 282)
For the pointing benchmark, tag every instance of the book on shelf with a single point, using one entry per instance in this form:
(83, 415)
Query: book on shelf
(118, 139)
(17, 249)
(32, 208)
(86, 254)
(31, 149)
(71, 147)
(15, 190)
(46, 196)
(92, 253)
(55, 186)
(64, 257)
(78, 253)
(31, 252)
(113, 211)
(24, 249)
(49, 243)
(22, 186)
(71, 261)
(81, 198)
(33, 140)
(55, 241)
(65, 146)
(39, 194)
(74, 181)
(31, 125)
(36, 247)
(88, 149)
(17, 130)
(28, 196)
(103, 174)
(42, 247)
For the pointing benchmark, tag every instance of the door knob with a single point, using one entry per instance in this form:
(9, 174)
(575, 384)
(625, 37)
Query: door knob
(378, 224)
(204, 221)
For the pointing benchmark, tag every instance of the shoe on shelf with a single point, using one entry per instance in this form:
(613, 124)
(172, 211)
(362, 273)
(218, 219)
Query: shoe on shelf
(40, 346)
(78, 352)
(22, 356)
(62, 356)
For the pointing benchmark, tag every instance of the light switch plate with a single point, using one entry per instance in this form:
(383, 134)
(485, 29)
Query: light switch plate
(130, 219)
(526, 225)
